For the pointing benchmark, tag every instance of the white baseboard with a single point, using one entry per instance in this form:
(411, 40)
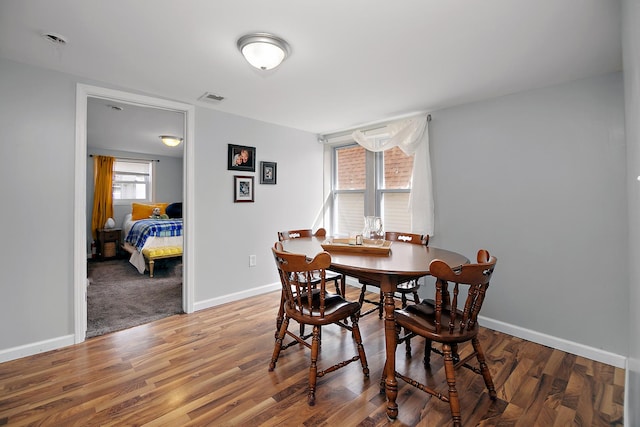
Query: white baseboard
(35, 348)
(592, 353)
(236, 296)
(55, 343)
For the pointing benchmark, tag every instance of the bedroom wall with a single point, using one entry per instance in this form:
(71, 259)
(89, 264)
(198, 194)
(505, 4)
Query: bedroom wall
(538, 179)
(168, 183)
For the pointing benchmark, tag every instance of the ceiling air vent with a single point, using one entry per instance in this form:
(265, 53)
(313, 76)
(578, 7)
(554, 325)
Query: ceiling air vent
(211, 97)
(55, 38)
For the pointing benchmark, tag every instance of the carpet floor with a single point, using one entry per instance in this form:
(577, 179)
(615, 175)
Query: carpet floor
(118, 297)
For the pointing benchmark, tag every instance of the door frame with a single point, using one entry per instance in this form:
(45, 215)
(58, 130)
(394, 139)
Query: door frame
(83, 92)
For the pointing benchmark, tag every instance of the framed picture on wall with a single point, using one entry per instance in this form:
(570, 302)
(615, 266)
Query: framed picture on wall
(242, 189)
(268, 172)
(241, 158)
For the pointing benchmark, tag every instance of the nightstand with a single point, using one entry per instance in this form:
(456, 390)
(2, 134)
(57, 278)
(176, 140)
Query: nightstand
(108, 242)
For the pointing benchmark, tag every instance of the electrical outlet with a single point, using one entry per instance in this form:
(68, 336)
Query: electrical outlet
(252, 260)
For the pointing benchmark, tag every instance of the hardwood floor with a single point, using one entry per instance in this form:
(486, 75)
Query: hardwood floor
(210, 368)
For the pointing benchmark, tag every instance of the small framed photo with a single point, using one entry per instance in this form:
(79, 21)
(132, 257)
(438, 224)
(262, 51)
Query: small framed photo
(268, 172)
(242, 189)
(241, 158)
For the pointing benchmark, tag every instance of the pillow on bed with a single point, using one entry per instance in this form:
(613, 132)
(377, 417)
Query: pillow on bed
(174, 210)
(144, 211)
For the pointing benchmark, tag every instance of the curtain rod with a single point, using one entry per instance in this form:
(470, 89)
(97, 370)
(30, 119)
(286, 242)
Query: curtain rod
(370, 127)
(129, 158)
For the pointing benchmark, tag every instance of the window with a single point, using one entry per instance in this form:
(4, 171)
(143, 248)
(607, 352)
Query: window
(395, 189)
(366, 183)
(349, 188)
(132, 181)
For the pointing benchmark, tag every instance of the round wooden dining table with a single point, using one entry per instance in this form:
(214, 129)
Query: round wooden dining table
(404, 261)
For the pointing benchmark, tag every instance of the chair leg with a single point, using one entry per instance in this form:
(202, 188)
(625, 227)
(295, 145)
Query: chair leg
(278, 345)
(383, 377)
(313, 369)
(416, 297)
(357, 337)
(454, 401)
(340, 290)
(427, 352)
(454, 353)
(407, 343)
(379, 305)
(484, 368)
(363, 289)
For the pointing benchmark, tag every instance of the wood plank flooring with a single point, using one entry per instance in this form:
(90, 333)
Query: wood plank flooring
(210, 369)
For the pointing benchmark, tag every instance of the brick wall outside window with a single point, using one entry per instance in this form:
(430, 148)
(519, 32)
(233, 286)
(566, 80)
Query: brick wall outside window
(397, 169)
(351, 168)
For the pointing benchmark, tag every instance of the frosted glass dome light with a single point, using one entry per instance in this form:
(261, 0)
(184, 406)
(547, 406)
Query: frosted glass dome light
(264, 51)
(170, 141)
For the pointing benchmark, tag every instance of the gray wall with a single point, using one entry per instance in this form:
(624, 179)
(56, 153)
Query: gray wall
(227, 233)
(538, 179)
(37, 113)
(631, 60)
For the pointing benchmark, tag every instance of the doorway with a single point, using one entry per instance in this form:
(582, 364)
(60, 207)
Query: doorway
(83, 93)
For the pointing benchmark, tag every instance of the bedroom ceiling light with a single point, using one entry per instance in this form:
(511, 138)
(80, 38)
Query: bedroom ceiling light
(171, 141)
(263, 50)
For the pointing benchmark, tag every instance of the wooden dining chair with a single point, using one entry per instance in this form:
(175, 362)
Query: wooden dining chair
(446, 322)
(339, 280)
(403, 288)
(295, 234)
(319, 233)
(313, 306)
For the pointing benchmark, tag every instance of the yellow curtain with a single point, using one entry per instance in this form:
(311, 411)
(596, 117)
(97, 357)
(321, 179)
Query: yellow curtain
(102, 192)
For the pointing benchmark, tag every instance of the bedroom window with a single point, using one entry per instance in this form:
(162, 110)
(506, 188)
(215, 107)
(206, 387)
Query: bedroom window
(366, 183)
(132, 181)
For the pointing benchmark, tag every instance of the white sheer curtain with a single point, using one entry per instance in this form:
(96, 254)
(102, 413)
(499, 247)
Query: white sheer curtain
(412, 137)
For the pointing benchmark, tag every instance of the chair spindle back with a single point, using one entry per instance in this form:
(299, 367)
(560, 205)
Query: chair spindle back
(476, 277)
(396, 236)
(296, 273)
(296, 234)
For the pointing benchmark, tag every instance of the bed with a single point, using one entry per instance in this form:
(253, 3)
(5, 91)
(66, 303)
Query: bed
(148, 240)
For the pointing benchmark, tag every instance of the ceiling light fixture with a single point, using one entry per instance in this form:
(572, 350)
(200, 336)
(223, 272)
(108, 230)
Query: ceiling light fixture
(170, 141)
(263, 50)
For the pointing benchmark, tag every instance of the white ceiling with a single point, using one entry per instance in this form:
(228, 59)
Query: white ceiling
(353, 62)
(133, 128)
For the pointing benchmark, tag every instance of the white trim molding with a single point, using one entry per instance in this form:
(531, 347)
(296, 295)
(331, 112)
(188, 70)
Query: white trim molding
(237, 296)
(35, 348)
(578, 349)
(83, 92)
